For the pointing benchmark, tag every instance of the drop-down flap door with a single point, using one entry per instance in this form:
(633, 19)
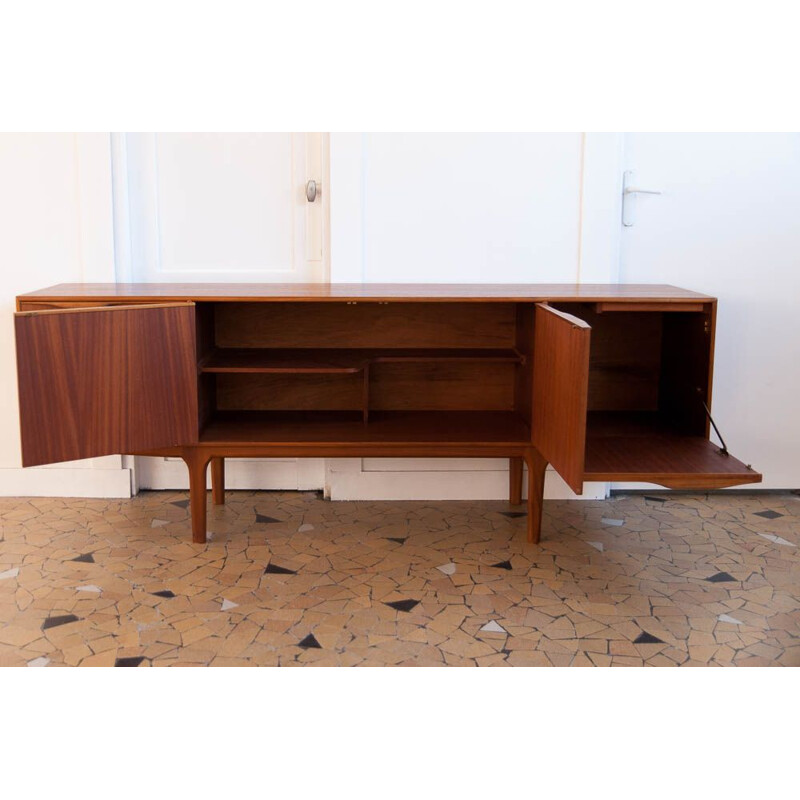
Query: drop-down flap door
(560, 391)
(106, 380)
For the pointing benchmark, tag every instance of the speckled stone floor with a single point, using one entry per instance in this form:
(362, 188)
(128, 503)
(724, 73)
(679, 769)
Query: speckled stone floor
(290, 579)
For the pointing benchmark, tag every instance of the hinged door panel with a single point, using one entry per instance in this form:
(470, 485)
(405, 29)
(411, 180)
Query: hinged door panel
(100, 381)
(560, 391)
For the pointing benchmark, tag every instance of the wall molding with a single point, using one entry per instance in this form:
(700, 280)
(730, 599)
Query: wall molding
(66, 482)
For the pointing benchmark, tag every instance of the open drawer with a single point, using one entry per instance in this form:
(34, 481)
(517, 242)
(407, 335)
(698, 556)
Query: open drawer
(642, 414)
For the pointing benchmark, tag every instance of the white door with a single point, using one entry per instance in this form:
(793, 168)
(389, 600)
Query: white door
(727, 224)
(222, 207)
(469, 208)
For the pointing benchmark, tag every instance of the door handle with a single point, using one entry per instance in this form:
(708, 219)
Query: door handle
(628, 193)
(312, 189)
(636, 190)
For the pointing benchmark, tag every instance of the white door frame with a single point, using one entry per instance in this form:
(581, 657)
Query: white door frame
(109, 476)
(162, 473)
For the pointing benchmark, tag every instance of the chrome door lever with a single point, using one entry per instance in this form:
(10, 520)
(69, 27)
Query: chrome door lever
(628, 201)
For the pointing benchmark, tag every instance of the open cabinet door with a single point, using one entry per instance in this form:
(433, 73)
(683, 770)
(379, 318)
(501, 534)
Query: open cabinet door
(560, 391)
(105, 380)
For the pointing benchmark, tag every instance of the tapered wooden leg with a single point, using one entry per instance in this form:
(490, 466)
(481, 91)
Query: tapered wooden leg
(198, 466)
(218, 481)
(536, 467)
(515, 480)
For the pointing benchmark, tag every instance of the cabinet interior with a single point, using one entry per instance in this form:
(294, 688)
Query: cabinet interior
(648, 370)
(320, 370)
(649, 377)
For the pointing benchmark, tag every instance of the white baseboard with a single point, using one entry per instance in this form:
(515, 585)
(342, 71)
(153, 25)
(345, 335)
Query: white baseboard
(65, 482)
(344, 479)
(240, 473)
(365, 479)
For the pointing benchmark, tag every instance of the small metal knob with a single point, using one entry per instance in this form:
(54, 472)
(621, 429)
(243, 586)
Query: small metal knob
(311, 191)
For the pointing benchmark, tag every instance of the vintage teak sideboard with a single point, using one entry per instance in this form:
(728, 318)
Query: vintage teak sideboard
(603, 382)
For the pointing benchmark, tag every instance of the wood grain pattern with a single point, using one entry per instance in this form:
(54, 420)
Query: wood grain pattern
(372, 325)
(104, 382)
(277, 392)
(218, 481)
(442, 386)
(330, 360)
(403, 430)
(625, 359)
(536, 473)
(321, 370)
(601, 308)
(560, 391)
(648, 447)
(337, 292)
(161, 377)
(515, 473)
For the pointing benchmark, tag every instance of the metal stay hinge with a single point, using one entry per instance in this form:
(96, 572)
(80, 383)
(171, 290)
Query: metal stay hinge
(723, 451)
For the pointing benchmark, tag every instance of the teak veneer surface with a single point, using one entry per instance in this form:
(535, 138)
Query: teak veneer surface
(533, 372)
(560, 390)
(348, 324)
(106, 382)
(399, 427)
(645, 447)
(312, 360)
(409, 292)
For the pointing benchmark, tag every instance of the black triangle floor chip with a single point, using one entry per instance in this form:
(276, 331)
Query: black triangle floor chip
(768, 514)
(84, 558)
(403, 605)
(310, 642)
(721, 577)
(54, 622)
(503, 565)
(274, 569)
(132, 661)
(647, 638)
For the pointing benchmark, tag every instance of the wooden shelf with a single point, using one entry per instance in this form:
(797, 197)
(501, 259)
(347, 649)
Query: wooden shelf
(229, 359)
(623, 446)
(337, 427)
(340, 360)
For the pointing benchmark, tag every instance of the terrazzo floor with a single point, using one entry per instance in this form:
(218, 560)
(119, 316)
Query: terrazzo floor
(288, 579)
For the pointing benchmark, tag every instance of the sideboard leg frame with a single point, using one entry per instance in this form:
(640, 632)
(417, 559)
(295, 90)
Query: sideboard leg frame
(536, 469)
(515, 480)
(198, 466)
(218, 481)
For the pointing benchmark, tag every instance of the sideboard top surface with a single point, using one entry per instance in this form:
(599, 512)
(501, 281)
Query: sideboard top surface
(407, 292)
